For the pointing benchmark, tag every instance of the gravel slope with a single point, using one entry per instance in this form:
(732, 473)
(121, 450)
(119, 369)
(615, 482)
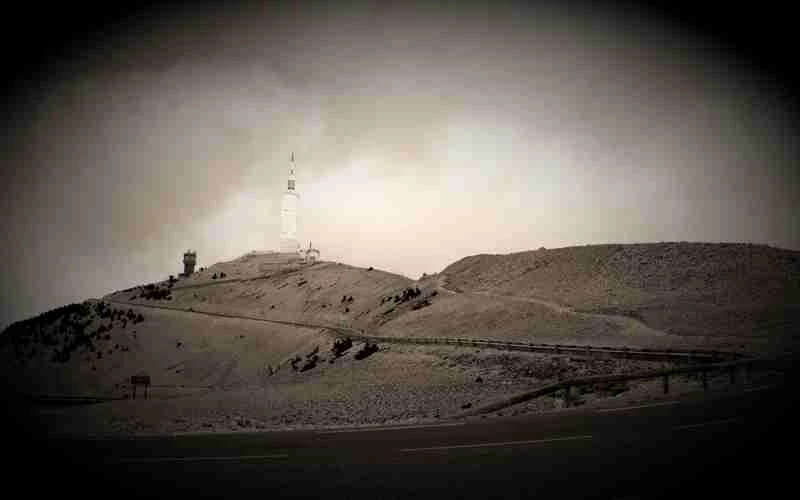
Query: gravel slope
(746, 291)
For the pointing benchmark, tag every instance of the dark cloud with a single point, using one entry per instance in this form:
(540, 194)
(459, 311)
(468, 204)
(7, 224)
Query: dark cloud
(423, 133)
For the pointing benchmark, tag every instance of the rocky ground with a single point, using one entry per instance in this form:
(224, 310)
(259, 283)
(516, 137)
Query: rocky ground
(692, 290)
(397, 384)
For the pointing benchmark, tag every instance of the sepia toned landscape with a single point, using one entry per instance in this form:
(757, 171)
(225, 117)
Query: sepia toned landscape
(399, 249)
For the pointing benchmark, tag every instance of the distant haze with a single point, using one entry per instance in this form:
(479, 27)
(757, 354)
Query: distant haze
(421, 135)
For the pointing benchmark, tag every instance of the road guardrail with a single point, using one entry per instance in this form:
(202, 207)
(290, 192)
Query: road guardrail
(565, 386)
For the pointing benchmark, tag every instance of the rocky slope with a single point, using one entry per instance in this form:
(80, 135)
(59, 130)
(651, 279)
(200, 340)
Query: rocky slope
(687, 289)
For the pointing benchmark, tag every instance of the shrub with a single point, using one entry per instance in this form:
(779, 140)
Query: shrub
(341, 345)
(294, 362)
(214, 276)
(310, 363)
(420, 304)
(366, 351)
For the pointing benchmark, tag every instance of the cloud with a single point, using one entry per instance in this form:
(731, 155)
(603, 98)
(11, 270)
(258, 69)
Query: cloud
(422, 134)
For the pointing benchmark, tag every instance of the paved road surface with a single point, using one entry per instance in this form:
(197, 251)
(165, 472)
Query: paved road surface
(728, 444)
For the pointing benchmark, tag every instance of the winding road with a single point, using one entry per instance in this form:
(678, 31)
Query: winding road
(724, 444)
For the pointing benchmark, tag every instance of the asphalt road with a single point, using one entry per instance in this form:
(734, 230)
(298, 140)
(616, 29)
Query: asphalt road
(728, 444)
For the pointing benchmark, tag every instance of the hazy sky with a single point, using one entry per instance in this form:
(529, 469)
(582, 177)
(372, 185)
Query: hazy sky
(421, 135)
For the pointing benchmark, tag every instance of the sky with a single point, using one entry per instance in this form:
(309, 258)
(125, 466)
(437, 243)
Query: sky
(422, 134)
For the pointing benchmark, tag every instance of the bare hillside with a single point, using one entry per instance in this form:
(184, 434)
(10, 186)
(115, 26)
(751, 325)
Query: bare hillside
(381, 303)
(211, 373)
(653, 295)
(326, 293)
(688, 289)
(95, 348)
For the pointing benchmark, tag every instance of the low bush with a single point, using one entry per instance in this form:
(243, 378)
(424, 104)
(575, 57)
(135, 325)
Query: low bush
(366, 351)
(419, 305)
(310, 363)
(340, 346)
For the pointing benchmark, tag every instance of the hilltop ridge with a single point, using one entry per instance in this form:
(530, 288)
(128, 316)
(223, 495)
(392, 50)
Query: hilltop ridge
(687, 289)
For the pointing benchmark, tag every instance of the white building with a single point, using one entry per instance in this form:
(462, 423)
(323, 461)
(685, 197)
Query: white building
(310, 254)
(288, 239)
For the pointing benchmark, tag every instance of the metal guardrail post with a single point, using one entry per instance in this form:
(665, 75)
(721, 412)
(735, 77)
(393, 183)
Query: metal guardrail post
(567, 396)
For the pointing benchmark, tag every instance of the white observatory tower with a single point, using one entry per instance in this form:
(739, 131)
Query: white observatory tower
(288, 242)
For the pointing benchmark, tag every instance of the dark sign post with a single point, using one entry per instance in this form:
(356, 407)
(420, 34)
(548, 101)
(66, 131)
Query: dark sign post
(140, 380)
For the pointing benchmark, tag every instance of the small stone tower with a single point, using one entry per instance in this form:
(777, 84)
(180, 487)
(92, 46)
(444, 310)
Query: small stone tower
(189, 260)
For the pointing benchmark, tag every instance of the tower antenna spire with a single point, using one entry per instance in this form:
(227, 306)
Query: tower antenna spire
(288, 238)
